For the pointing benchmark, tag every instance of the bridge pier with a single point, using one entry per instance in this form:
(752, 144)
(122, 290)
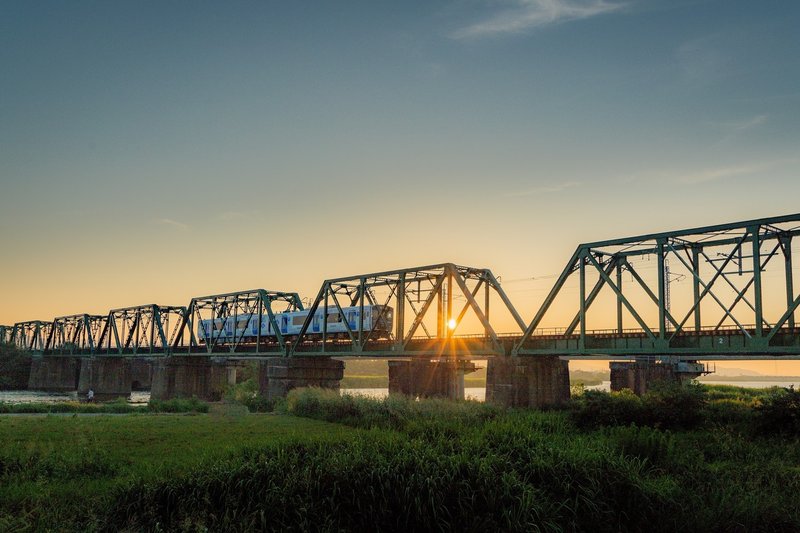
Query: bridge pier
(109, 378)
(141, 374)
(54, 374)
(639, 376)
(539, 381)
(187, 377)
(427, 379)
(278, 375)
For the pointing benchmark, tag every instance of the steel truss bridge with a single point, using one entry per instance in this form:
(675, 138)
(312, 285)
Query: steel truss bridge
(738, 302)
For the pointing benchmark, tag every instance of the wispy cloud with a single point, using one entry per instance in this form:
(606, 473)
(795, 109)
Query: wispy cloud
(722, 173)
(739, 126)
(544, 189)
(530, 14)
(172, 223)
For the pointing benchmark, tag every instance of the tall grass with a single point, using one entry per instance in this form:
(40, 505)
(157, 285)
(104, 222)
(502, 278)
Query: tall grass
(120, 406)
(428, 465)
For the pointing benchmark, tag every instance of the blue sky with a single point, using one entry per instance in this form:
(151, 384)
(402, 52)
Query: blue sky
(151, 151)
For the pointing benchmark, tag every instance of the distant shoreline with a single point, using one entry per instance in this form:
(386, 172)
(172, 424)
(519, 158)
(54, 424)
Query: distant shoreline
(750, 378)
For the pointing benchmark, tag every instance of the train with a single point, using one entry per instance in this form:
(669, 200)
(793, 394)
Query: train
(377, 319)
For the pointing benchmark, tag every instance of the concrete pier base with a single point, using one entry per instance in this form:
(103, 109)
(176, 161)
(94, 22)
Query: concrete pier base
(141, 374)
(54, 374)
(428, 379)
(109, 378)
(278, 375)
(187, 377)
(540, 381)
(639, 376)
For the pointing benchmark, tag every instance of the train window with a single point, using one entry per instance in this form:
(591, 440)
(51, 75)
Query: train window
(298, 320)
(241, 324)
(334, 318)
(218, 325)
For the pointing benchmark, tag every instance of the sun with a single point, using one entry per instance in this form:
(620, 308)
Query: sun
(451, 323)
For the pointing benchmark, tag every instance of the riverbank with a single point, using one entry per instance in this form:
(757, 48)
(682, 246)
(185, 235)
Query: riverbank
(327, 462)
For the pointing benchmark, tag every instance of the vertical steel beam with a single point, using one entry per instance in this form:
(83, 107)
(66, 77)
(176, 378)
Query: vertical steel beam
(449, 317)
(486, 307)
(619, 298)
(440, 308)
(582, 312)
(662, 290)
(696, 286)
(400, 309)
(363, 290)
(755, 231)
(325, 316)
(787, 256)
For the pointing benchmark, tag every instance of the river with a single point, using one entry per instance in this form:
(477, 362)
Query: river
(473, 393)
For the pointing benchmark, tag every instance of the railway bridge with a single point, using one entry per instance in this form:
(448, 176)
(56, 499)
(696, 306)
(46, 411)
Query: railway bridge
(655, 305)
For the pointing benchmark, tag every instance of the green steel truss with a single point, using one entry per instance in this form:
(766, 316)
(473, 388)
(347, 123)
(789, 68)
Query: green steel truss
(727, 268)
(140, 330)
(31, 335)
(75, 334)
(237, 308)
(425, 319)
(735, 298)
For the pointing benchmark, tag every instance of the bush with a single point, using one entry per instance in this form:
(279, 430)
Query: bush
(598, 408)
(178, 405)
(666, 406)
(394, 412)
(779, 413)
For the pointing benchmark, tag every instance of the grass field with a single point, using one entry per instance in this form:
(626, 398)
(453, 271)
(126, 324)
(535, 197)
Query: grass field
(686, 459)
(57, 470)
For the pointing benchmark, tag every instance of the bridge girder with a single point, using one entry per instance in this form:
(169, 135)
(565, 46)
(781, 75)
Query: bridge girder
(704, 256)
(75, 334)
(440, 283)
(31, 335)
(238, 306)
(140, 330)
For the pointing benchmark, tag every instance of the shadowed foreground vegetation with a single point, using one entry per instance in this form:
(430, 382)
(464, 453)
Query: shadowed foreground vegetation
(121, 406)
(609, 462)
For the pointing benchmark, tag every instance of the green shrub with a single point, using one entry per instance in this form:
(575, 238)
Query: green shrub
(178, 405)
(667, 406)
(598, 408)
(779, 413)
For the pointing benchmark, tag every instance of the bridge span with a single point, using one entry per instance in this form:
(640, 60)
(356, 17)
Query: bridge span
(672, 298)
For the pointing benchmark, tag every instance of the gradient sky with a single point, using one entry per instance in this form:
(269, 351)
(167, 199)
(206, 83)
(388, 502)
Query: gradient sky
(155, 151)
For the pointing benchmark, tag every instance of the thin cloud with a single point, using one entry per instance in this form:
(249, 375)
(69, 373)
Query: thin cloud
(744, 125)
(530, 14)
(722, 173)
(172, 223)
(546, 189)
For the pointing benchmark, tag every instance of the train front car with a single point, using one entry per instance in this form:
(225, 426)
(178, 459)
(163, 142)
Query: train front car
(382, 317)
(376, 322)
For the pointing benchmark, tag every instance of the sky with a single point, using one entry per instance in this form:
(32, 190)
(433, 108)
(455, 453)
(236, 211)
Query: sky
(156, 151)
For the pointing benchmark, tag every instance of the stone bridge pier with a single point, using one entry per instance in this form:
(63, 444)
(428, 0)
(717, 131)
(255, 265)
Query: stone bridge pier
(426, 378)
(54, 374)
(640, 375)
(531, 381)
(108, 377)
(191, 376)
(278, 375)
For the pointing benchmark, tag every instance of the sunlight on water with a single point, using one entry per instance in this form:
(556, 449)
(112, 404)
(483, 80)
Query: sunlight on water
(471, 393)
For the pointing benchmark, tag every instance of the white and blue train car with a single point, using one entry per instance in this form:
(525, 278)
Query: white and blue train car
(377, 318)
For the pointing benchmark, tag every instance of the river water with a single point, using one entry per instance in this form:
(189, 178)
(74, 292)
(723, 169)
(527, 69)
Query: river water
(473, 393)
